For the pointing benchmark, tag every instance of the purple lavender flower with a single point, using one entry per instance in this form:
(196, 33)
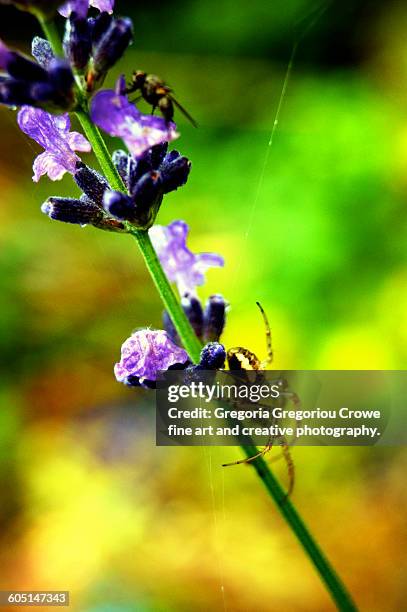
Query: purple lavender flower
(213, 356)
(80, 7)
(181, 266)
(144, 354)
(154, 174)
(52, 133)
(118, 117)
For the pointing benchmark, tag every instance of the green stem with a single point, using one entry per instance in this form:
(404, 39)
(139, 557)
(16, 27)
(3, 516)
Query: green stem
(100, 150)
(333, 583)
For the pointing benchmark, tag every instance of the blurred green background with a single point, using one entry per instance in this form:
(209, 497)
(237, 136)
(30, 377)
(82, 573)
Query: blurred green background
(314, 227)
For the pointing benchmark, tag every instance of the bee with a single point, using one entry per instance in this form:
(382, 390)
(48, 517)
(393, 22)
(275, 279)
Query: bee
(154, 91)
(246, 366)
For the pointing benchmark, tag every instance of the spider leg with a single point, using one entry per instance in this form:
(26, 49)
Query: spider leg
(261, 453)
(285, 453)
(293, 397)
(269, 359)
(290, 467)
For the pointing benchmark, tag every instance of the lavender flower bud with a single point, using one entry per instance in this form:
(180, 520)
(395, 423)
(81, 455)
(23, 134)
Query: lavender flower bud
(147, 190)
(214, 318)
(42, 94)
(42, 51)
(71, 210)
(213, 356)
(118, 204)
(112, 44)
(158, 153)
(193, 309)
(60, 75)
(77, 42)
(121, 161)
(142, 166)
(126, 167)
(15, 93)
(20, 67)
(91, 183)
(174, 170)
(98, 26)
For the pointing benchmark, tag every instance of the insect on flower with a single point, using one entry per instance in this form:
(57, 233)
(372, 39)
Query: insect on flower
(248, 368)
(154, 91)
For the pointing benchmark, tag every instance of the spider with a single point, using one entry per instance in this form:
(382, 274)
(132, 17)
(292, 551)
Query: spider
(246, 366)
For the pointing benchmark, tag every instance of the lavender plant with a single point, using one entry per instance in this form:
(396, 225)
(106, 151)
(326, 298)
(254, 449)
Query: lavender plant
(125, 196)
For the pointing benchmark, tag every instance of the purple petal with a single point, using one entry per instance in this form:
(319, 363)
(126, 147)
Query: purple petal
(120, 85)
(181, 266)
(204, 261)
(42, 127)
(78, 142)
(147, 352)
(81, 7)
(111, 110)
(52, 133)
(103, 5)
(62, 122)
(48, 163)
(118, 117)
